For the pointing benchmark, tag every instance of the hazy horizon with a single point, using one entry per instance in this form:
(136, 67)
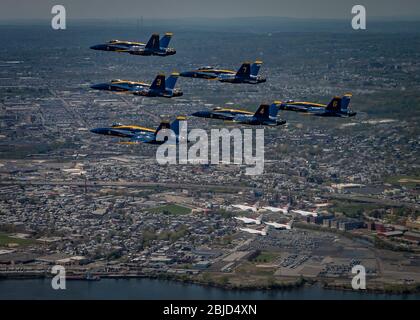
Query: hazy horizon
(199, 9)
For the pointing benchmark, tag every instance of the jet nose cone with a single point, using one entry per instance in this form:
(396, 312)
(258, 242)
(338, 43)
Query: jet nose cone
(99, 86)
(97, 47)
(96, 130)
(202, 114)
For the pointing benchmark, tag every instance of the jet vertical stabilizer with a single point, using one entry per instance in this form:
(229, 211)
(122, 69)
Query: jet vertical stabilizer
(164, 42)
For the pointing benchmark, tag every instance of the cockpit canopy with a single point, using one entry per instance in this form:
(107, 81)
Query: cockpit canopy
(114, 41)
(290, 100)
(218, 108)
(116, 124)
(206, 68)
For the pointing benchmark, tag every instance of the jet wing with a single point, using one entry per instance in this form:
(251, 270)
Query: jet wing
(295, 108)
(143, 138)
(243, 118)
(203, 75)
(222, 115)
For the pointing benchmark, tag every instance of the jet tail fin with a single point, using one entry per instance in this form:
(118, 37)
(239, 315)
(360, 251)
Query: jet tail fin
(164, 42)
(244, 71)
(266, 111)
(171, 81)
(159, 82)
(163, 125)
(334, 105)
(345, 102)
(255, 68)
(153, 42)
(175, 124)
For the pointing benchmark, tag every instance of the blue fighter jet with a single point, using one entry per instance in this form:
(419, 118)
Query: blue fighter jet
(139, 134)
(265, 115)
(247, 73)
(161, 87)
(338, 107)
(154, 47)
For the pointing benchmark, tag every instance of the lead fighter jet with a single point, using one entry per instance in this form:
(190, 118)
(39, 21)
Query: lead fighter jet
(247, 73)
(265, 115)
(154, 47)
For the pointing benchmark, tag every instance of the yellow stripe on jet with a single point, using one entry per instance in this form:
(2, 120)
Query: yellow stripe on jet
(127, 42)
(307, 103)
(234, 110)
(134, 127)
(129, 82)
(215, 70)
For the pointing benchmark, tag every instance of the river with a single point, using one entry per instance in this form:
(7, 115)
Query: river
(144, 289)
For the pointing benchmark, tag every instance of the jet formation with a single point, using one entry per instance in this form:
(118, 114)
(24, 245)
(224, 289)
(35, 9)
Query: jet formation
(258, 221)
(266, 114)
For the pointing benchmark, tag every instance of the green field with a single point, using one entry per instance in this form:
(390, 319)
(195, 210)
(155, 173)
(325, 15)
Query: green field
(407, 180)
(173, 209)
(266, 257)
(5, 240)
(353, 209)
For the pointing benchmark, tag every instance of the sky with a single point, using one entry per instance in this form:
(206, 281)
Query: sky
(153, 9)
